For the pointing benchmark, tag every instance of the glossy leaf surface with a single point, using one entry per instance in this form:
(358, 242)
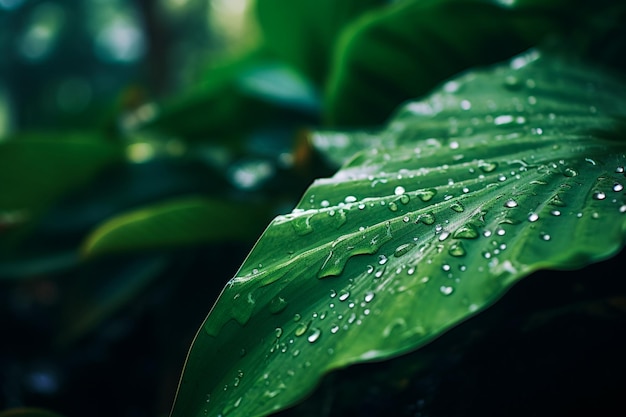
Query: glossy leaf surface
(497, 174)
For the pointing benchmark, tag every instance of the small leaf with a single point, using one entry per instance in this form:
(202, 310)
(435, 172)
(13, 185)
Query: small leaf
(497, 174)
(182, 221)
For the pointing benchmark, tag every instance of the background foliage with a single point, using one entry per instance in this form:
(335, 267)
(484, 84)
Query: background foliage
(146, 145)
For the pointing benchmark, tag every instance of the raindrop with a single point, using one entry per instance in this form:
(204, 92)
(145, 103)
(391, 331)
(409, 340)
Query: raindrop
(466, 104)
(426, 218)
(545, 236)
(379, 273)
(403, 249)
(314, 335)
(406, 219)
(500, 232)
(446, 290)
(404, 198)
(504, 119)
(570, 172)
(458, 207)
(410, 271)
(533, 217)
(279, 332)
(457, 249)
(297, 317)
(555, 212)
(350, 199)
(557, 201)
(382, 259)
(301, 329)
(427, 195)
(325, 203)
(446, 267)
(591, 161)
(618, 187)
(510, 203)
(599, 195)
(370, 269)
(487, 166)
(399, 190)
(393, 206)
(343, 295)
(334, 329)
(467, 231)
(369, 297)
(333, 293)
(620, 170)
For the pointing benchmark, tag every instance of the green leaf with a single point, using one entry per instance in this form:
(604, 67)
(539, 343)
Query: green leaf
(182, 221)
(36, 169)
(497, 174)
(426, 42)
(259, 87)
(303, 33)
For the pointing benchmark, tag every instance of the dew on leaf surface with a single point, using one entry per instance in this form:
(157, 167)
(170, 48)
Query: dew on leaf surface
(403, 249)
(457, 249)
(427, 195)
(314, 335)
(599, 195)
(446, 290)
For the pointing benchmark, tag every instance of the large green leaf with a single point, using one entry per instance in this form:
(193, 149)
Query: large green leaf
(446, 36)
(497, 174)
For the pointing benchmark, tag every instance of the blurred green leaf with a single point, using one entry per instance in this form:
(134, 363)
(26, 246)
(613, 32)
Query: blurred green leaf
(182, 221)
(303, 33)
(499, 173)
(423, 43)
(234, 98)
(37, 169)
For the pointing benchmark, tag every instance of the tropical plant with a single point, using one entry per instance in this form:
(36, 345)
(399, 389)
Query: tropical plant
(480, 163)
